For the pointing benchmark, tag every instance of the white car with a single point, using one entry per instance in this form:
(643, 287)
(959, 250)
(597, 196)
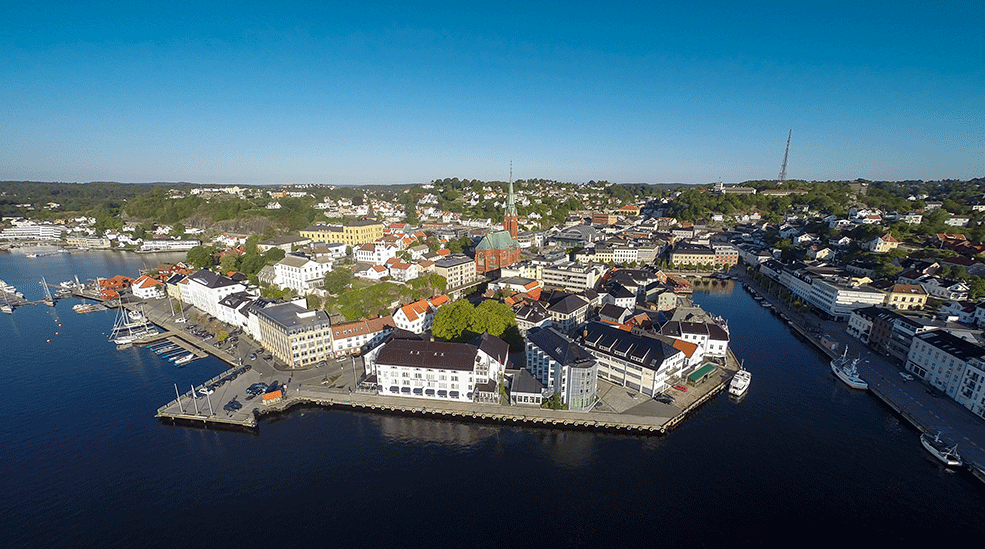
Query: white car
(179, 320)
(906, 376)
(206, 391)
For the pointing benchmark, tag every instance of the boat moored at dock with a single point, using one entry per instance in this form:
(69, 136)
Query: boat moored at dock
(846, 370)
(740, 383)
(946, 454)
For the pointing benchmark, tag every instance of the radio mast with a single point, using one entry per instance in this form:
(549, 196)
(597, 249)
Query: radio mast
(783, 168)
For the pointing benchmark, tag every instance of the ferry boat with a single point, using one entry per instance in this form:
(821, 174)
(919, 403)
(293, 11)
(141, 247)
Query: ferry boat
(846, 370)
(740, 383)
(947, 455)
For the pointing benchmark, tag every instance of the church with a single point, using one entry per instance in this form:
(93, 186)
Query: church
(500, 249)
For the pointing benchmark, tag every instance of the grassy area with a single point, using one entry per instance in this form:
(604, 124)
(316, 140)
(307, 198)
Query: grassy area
(367, 298)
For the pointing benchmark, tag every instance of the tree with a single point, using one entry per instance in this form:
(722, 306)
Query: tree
(201, 257)
(492, 317)
(229, 262)
(274, 254)
(337, 281)
(451, 320)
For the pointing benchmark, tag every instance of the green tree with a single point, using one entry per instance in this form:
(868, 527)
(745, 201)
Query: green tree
(274, 254)
(492, 317)
(451, 320)
(201, 257)
(229, 262)
(337, 281)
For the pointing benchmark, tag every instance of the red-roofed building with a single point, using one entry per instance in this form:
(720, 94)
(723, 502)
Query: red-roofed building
(146, 287)
(418, 316)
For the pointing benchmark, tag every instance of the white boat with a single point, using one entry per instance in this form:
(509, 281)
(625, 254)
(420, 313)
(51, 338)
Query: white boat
(846, 370)
(947, 455)
(740, 383)
(125, 331)
(187, 358)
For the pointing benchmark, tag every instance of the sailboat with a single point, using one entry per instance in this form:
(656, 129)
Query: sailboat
(48, 300)
(127, 330)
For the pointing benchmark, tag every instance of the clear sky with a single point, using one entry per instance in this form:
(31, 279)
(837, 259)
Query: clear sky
(403, 92)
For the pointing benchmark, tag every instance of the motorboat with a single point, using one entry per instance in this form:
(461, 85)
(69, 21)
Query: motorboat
(946, 454)
(846, 370)
(740, 383)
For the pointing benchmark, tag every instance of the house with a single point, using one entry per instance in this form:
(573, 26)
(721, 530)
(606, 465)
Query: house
(418, 317)
(300, 273)
(353, 337)
(146, 287)
(882, 244)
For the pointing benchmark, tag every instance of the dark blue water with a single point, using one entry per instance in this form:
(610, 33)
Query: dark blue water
(799, 460)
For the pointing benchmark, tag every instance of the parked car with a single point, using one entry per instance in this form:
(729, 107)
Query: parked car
(681, 388)
(253, 356)
(906, 376)
(666, 399)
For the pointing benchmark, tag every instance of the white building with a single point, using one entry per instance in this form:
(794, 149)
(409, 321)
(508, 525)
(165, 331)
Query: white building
(418, 316)
(300, 273)
(563, 366)
(205, 289)
(632, 359)
(953, 365)
(443, 371)
(353, 337)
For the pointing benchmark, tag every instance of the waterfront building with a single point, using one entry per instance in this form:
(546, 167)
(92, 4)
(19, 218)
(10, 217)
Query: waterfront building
(168, 245)
(297, 336)
(146, 287)
(634, 359)
(835, 296)
(563, 366)
(687, 254)
(33, 231)
(712, 340)
(353, 337)
(90, 242)
(205, 289)
(725, 254)
(951, 364)
(524, 389)
(426, 369)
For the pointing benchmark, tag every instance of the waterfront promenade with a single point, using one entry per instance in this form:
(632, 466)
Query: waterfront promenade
(924, 408)
(336, 384)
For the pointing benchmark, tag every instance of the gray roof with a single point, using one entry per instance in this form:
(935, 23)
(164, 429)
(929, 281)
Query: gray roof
(289, 316)
(525, 382)
(642, 350)
(498, 349)
(952, 345)
(211, 280)
(559, 347)
(453, 260)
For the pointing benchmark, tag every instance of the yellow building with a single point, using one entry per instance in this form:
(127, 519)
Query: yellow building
(353, 233)
(688, 254)
(906, 296)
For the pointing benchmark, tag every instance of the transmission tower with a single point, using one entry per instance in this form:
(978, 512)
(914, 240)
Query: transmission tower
(783, 168)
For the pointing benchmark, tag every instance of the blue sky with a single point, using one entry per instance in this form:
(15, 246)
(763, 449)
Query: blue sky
(359, 92)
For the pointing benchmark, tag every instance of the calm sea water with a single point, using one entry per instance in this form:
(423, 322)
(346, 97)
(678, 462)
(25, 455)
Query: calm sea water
(799, 459)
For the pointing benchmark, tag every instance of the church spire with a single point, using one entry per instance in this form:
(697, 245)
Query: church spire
(510, 221)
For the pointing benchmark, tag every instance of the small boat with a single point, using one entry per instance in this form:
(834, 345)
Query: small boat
(740, 383)
(846, 370)
(6, 308)
(947, 455)
(187, 358)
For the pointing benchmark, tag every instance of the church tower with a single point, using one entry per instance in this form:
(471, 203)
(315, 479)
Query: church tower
(510, 222)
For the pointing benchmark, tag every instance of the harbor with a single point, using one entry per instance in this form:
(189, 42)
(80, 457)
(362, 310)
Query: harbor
(924, 408)
(96, 442)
